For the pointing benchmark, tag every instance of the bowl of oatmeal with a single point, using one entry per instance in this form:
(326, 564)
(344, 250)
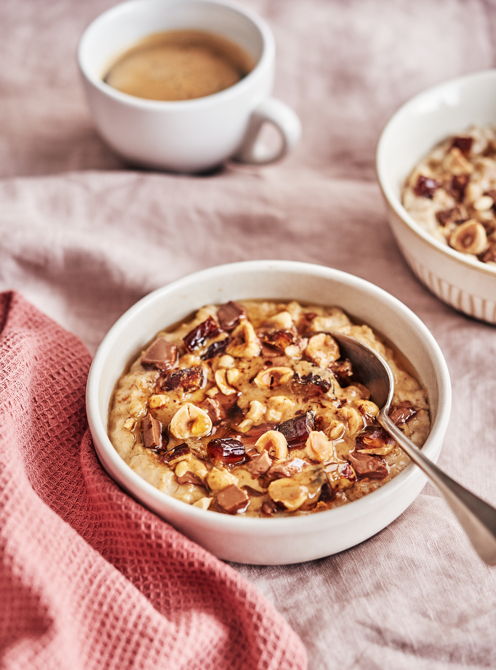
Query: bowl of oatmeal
(223, 403)
(436, 165)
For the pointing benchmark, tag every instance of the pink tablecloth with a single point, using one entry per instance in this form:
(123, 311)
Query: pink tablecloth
(82, 237)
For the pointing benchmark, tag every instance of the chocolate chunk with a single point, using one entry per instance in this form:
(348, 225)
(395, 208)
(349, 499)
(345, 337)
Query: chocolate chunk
(373, 437)
(229, 315)
(189, 478)
(151, 430)
(277, 340)
(425, 187)
(197, 337)
(176, 452)
(226, 450)
(215, 349)
(232, 499)
(189, 379)
(367, 465)
(305, 321)
(160, 354)
(297, 429)
(259, 464)
(269, 507)
(454, 215)
(463, 143)
(310, 384)
(402, 412)
(458, 185)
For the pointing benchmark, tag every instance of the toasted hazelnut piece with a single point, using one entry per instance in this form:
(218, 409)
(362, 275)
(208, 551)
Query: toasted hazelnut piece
(340, 476)
(219, 478)
(469, 238)
(274, 442)
(129, 424)
(352, 419)
(367, 408)
(271, 377)
(181, 468)
(232, 376)
(281, 320)
(190, 360)
(212, 392)
(483, 203)
(473, 191)
(158, 400)
(190, 421)
(288, 492)
(256, 412)
(319, 447)
(278, 407)
(226, 361)
(322, 349)
(244, 341)
(456, 163)
(245, 425)
(222, 383)
(203, 503)
(335, 429)
(292, 351)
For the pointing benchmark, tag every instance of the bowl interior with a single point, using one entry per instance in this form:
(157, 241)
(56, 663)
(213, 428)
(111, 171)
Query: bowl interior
(282, 280)
(427, 119)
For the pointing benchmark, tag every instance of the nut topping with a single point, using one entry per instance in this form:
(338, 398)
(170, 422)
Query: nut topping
(272, 377)
(244, 341)
(322, 349)
(288, 492)
(469, 238)
(274, 443)
(190, 421)
(319, 448)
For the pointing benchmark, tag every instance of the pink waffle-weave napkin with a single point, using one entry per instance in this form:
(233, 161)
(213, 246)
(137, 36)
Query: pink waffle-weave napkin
(88, 577)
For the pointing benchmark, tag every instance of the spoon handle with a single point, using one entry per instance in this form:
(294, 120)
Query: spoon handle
(477, 518)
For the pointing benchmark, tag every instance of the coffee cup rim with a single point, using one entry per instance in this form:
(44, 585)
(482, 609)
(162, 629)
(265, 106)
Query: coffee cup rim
(267, 55)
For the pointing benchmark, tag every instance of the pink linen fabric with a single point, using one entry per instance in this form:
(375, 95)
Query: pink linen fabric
(88, 577)
(83, 236)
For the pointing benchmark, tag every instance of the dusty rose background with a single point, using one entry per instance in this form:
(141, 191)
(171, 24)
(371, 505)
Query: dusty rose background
(83, 237)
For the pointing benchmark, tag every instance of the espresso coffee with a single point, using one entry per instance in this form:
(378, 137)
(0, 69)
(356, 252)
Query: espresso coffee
(179, 65)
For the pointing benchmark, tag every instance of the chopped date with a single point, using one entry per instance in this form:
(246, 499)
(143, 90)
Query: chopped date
(458, 185)
(215, 349)
(252, 435)
(402, 412)
(176, 452)
(277, 339)
(425, 187)
(227, 450)
(342, 370)
(368, 465)
(452, 215)
(489, 256)
(297, 429)
(229, 315)
(311, 383)
(305, 322)
(197, 337)
(189, 379)
(463, 143)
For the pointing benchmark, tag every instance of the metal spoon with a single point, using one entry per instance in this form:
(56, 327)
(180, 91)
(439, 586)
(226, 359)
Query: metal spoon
(477, 518)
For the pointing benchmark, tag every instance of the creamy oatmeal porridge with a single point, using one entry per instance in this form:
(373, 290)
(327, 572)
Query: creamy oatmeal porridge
(452, 193)
(248, 408)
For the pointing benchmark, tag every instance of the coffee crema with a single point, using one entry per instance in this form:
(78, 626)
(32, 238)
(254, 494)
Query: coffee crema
(179, 65)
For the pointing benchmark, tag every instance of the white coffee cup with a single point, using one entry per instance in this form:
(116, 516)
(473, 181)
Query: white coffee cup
(185, 135)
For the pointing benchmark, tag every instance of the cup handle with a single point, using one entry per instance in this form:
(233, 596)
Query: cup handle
(284, 121)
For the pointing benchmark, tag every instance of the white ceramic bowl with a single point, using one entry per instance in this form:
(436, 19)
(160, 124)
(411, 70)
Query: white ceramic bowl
(282, 540)
(458, 279)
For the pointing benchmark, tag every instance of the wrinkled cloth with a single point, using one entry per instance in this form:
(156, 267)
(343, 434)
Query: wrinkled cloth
(88, 577)
(83, 237)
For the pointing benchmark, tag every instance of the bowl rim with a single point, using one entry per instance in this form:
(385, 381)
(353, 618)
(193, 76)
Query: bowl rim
(264, 526)
(388, 191)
